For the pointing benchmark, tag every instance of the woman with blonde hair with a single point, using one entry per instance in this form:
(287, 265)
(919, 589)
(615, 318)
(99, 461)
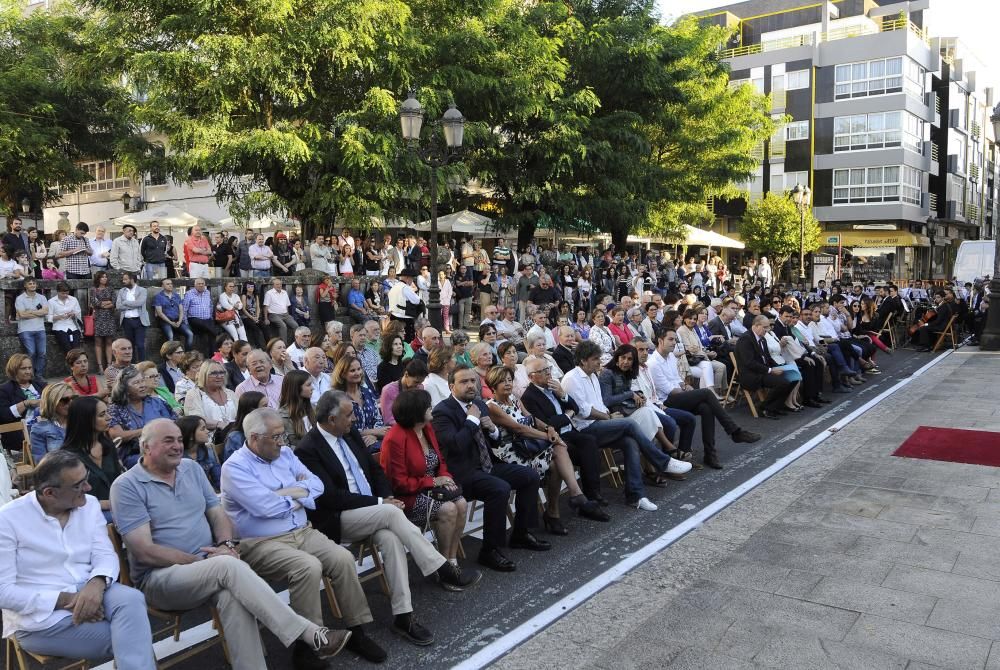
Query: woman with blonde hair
(212, 401)
(49, 432)
(482, 358)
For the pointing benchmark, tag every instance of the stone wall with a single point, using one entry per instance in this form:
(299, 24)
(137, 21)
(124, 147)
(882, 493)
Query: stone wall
(10, 344)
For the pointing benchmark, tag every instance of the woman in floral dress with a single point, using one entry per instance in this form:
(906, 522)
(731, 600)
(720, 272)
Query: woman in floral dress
(102, 306)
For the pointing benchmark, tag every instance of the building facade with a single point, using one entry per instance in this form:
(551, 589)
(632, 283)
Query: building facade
(887, 126)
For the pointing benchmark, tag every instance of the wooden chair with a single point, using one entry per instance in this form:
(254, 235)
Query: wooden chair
(17, 654)
(889, 330)
(949, 331)
(613, 471)
(742, 392)
(171, 620)
(25, 465)
(360, 549)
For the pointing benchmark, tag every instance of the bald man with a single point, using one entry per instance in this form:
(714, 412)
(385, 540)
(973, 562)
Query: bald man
(431, 340)
(314, 362)
(121, 358)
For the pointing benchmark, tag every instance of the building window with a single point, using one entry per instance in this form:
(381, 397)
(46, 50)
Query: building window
(797, 79)
(879, 77)
(793, 178)
(797, 130)
(104, 176)
(878, 131)
(891, 183)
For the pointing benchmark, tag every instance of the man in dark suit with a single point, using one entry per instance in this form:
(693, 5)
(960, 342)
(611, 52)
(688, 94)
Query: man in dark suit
(758, 369)
(563, 353)
(811, 368)
(357, 504)
(945, 306)
(545, 400)
(463, 428)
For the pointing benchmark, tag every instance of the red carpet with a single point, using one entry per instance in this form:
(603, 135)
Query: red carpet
(978, 447)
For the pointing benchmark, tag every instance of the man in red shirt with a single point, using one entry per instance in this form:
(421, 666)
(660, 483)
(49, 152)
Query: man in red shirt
(197, 252)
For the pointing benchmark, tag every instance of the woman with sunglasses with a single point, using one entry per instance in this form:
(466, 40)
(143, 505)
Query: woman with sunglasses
(130, 410)
(49, 432)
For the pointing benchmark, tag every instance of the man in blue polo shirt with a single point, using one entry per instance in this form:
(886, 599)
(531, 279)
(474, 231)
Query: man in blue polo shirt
(170, 313)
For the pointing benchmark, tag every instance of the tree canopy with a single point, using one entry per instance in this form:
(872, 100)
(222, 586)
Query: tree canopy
(54, 113)
(771, 226)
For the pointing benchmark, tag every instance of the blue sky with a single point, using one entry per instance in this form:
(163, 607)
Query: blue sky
(975, 22)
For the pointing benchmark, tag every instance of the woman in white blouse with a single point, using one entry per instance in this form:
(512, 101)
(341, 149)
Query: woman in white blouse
(211, 400)
(230, 299)
(65, 317)
(602, 337)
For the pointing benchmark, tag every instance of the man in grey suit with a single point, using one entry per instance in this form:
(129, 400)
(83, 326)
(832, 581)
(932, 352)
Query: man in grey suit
(132, 313)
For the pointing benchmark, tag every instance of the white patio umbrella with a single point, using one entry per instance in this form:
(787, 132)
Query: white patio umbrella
(167, 215)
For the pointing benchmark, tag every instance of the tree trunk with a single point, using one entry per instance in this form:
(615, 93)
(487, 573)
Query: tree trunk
(525, 234)
(619, 238)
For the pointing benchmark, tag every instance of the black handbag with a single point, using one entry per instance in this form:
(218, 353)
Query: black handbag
(528, 448)
(445, 494)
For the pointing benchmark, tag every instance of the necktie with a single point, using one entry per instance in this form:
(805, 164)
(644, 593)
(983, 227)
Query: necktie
(484, 450)
(359, 476)
(763, 349)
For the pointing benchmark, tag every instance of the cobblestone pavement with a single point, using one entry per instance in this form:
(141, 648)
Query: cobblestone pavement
(848, 558)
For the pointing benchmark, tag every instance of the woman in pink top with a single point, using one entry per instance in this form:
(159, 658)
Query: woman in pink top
(618, 327)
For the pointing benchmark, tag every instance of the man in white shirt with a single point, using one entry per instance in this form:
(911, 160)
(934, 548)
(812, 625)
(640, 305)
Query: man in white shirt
(541, 329)
(595, 419)
(314, 362)
(57, 584)
(125, 254)
(276, 306)
(509, 329)
(674, 393)
(101, 248)
(404, 303)
(297, 351)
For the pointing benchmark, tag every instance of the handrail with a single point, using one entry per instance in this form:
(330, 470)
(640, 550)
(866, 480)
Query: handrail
(841, 33)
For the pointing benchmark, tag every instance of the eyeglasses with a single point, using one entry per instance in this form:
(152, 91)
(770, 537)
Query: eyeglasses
(217, 373)
(543, 371)
(278, 438)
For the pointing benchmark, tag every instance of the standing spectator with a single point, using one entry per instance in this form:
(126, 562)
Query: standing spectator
(260, 257)
(276, 306)
(222, 255)
(15, 237)
(319, 253)
(65, 315)
(125, 255)
(298, 256)
(100, 248)
(199, 309)
(154, 253)
(76, 250)
(326, 296)
(282, 259)
(102, 307)
(464, 285)
(197, 252)
(51, 271)
(37, 252)
(132, 314)
(526, 283)
(171, 257)
(31, 309)
(169, 310)
(243, 259)
(346, 267)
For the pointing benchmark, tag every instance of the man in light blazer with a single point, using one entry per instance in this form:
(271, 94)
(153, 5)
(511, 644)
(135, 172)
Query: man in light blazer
(132, 313)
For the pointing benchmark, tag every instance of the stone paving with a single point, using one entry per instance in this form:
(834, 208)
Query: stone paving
(848, 558)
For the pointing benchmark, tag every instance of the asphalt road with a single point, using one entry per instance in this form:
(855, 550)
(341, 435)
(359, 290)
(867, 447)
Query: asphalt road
(465, 622)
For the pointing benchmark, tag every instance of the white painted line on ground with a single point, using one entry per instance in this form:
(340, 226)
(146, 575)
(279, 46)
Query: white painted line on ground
(556, 611)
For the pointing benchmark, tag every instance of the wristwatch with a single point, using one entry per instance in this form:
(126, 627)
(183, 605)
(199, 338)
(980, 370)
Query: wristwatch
(228, 543)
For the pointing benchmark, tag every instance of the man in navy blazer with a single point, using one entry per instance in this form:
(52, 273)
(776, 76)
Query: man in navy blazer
(464, 431)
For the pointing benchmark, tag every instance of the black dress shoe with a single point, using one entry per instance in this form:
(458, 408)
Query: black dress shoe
(741, 435)
(713, 462)
(528, 541)
(592, 510)
(408, 628)
(553, 525)
(812, 403)
(768, 414)
(365, 647)
(821, 400)
(599, 499)
(494, 560)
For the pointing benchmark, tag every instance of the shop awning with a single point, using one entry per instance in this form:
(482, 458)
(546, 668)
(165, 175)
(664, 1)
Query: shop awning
(874, 238)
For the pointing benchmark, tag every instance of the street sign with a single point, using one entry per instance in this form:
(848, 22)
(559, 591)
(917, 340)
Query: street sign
(833, 239)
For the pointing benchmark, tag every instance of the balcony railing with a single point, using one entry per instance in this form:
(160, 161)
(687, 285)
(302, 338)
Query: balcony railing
(932, 201)
(937, 104)
(935, 152)
(971, 211)
(779, 98)
(829, 36)
(758, 152)
(975, 130)
(973, 171)
(778, 147)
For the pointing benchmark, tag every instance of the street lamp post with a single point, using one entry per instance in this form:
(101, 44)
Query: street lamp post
(990, 340)
(932, 229)
(411, 118)
(801, 195)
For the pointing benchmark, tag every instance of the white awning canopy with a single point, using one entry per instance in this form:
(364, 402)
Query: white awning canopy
(465, 222)
(168, 216)
(696, 237)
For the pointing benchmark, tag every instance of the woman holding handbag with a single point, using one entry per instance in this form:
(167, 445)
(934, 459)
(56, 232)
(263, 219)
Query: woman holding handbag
(526, 440)
(230, 305)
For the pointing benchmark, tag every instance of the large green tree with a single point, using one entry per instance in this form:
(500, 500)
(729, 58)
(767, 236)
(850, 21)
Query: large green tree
(57, 106)
(772, 227)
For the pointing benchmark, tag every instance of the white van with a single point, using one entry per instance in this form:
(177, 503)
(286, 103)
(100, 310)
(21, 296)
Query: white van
(974, 260)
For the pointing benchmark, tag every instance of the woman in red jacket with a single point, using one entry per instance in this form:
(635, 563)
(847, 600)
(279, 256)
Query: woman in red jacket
(416, 470)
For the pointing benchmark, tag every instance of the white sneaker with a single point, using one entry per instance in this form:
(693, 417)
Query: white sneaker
(646, 505)
(678, 467)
